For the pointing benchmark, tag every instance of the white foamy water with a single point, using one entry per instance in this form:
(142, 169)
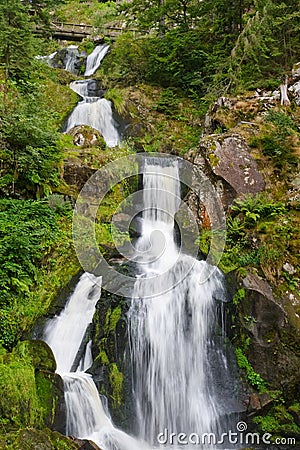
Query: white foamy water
(171, 336)
(96, 113)
(94, 59)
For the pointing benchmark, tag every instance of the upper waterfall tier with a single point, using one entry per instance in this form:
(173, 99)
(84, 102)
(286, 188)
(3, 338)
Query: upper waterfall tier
(96, 113)
(94, 59)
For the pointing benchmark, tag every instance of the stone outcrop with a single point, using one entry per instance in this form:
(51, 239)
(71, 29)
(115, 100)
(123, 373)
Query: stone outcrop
(30, 438)
(84, 444)
(49, 385)
(84, 136)
(227, 162)
(273, 336)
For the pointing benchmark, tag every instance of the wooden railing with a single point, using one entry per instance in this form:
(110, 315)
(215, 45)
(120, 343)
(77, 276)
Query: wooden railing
(78, 31)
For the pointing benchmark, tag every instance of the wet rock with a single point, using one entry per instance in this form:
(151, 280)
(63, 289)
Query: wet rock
(69, 59)
(259, 404)
(76, 174)
(84, 444)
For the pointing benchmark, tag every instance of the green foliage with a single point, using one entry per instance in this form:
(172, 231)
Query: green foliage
(16, 38)
(117, 98)
(252, 209)
(278, 421)
(29, 230)
(239, 296)
(168, 103)
(253, 378)
(267, 47)
(276, 142)
(258, 231)
(28, 148)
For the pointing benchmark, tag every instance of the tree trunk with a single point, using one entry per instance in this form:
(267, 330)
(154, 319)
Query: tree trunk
(284, 94)
(162, 24)
(6, 74)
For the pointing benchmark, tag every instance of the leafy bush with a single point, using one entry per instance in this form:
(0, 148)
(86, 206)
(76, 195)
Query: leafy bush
(277, 139)
(28, 148)
(253, 378)
(28, 230)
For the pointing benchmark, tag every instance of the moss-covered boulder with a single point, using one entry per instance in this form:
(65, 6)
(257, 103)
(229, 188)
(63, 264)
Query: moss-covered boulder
(32, 393)
(273, 340)
(33, 439)
(268, 351)
(39, 352)
(109, 344)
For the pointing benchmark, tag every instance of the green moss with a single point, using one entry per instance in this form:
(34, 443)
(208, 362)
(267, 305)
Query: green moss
(116, 96)
(278, 421)
(19, 403)
(44, 389)
(239, 296)
(253, 378)
(29, 439)
(213, 159)
(112, 318)
(103, 357)
(116, 381)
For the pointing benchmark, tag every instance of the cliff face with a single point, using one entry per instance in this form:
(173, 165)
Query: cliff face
(249, 151)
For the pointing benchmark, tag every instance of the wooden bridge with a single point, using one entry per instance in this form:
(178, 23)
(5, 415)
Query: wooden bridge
(77, 32)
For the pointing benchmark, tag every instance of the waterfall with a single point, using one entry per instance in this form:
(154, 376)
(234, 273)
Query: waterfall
(70, 326)
(179, 368)
(86, 417)
(97, 113)
(94, 59)
(94, 111)
(172, 333)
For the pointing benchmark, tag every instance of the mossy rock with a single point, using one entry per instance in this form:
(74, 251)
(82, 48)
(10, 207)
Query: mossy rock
(50, 392)
(30, 438)
(40, 354)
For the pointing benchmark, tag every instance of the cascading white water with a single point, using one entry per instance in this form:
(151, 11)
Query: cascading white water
(171, 334)
(94, 59)
(72, 59)
(86, 417)
(64, 333)
(96, 113)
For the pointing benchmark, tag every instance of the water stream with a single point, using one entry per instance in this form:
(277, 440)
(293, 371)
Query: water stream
(179, 369)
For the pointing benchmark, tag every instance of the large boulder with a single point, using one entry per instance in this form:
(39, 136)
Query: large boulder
(227, 162)
(270, 327)
(32, 439)
(48, 384)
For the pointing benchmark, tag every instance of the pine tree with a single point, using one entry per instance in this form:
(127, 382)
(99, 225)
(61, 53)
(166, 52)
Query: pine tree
(16, 38)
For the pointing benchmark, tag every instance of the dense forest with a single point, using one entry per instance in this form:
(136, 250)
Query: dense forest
(184, 77)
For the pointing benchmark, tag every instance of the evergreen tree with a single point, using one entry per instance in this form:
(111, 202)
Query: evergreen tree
(268, 46)
(16, 38)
